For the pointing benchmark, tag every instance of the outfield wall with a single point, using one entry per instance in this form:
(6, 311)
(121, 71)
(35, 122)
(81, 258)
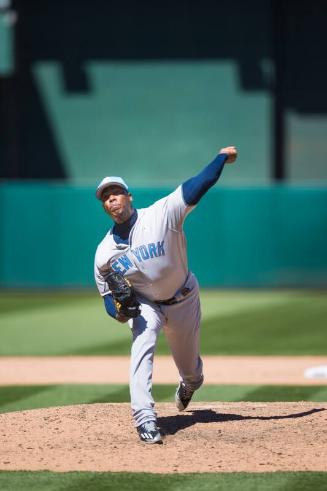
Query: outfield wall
(237, 237)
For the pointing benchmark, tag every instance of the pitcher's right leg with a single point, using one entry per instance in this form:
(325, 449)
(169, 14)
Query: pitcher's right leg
(145, 330)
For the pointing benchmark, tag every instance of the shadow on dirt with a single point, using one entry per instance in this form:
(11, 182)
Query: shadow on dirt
(170, 425)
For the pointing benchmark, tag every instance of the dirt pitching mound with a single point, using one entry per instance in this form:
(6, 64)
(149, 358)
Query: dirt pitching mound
(209, 437)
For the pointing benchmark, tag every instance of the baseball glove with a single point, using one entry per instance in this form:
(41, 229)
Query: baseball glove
(124, 297)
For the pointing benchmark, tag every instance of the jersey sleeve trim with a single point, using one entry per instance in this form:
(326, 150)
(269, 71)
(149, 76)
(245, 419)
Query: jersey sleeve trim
(110, 305)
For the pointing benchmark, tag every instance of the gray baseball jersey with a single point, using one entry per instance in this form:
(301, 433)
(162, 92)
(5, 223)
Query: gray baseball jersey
(154, 260)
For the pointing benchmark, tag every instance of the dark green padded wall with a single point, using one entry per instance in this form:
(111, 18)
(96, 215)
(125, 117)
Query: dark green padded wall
(263, 236)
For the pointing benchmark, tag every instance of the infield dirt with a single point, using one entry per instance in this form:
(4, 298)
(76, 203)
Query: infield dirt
(43, 370)
(209, 437)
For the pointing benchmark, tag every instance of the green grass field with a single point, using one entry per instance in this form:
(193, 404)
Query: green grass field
(252, 322)
(91, 481)
(16, 398)
(234, 323)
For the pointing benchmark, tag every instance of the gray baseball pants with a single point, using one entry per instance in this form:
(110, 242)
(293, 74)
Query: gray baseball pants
(180, 323)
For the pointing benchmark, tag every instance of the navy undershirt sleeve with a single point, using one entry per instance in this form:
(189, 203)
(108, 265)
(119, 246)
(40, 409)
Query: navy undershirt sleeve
(110, 305)
(194, 188)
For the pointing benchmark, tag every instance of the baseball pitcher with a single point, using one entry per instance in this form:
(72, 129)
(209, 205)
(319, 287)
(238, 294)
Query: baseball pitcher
(141, 272)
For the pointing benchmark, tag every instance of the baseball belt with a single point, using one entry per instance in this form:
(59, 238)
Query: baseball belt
(176, 298)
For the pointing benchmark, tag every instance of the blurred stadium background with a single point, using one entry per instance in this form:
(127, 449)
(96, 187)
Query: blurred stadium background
(151, 92)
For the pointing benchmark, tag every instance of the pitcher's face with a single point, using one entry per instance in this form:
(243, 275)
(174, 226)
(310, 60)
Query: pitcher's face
(117, 202)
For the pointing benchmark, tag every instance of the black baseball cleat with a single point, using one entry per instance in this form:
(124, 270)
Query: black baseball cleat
(183, 396)
(149, 432)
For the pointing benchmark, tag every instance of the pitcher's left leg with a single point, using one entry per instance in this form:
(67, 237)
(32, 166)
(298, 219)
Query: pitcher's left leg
(183, 335)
